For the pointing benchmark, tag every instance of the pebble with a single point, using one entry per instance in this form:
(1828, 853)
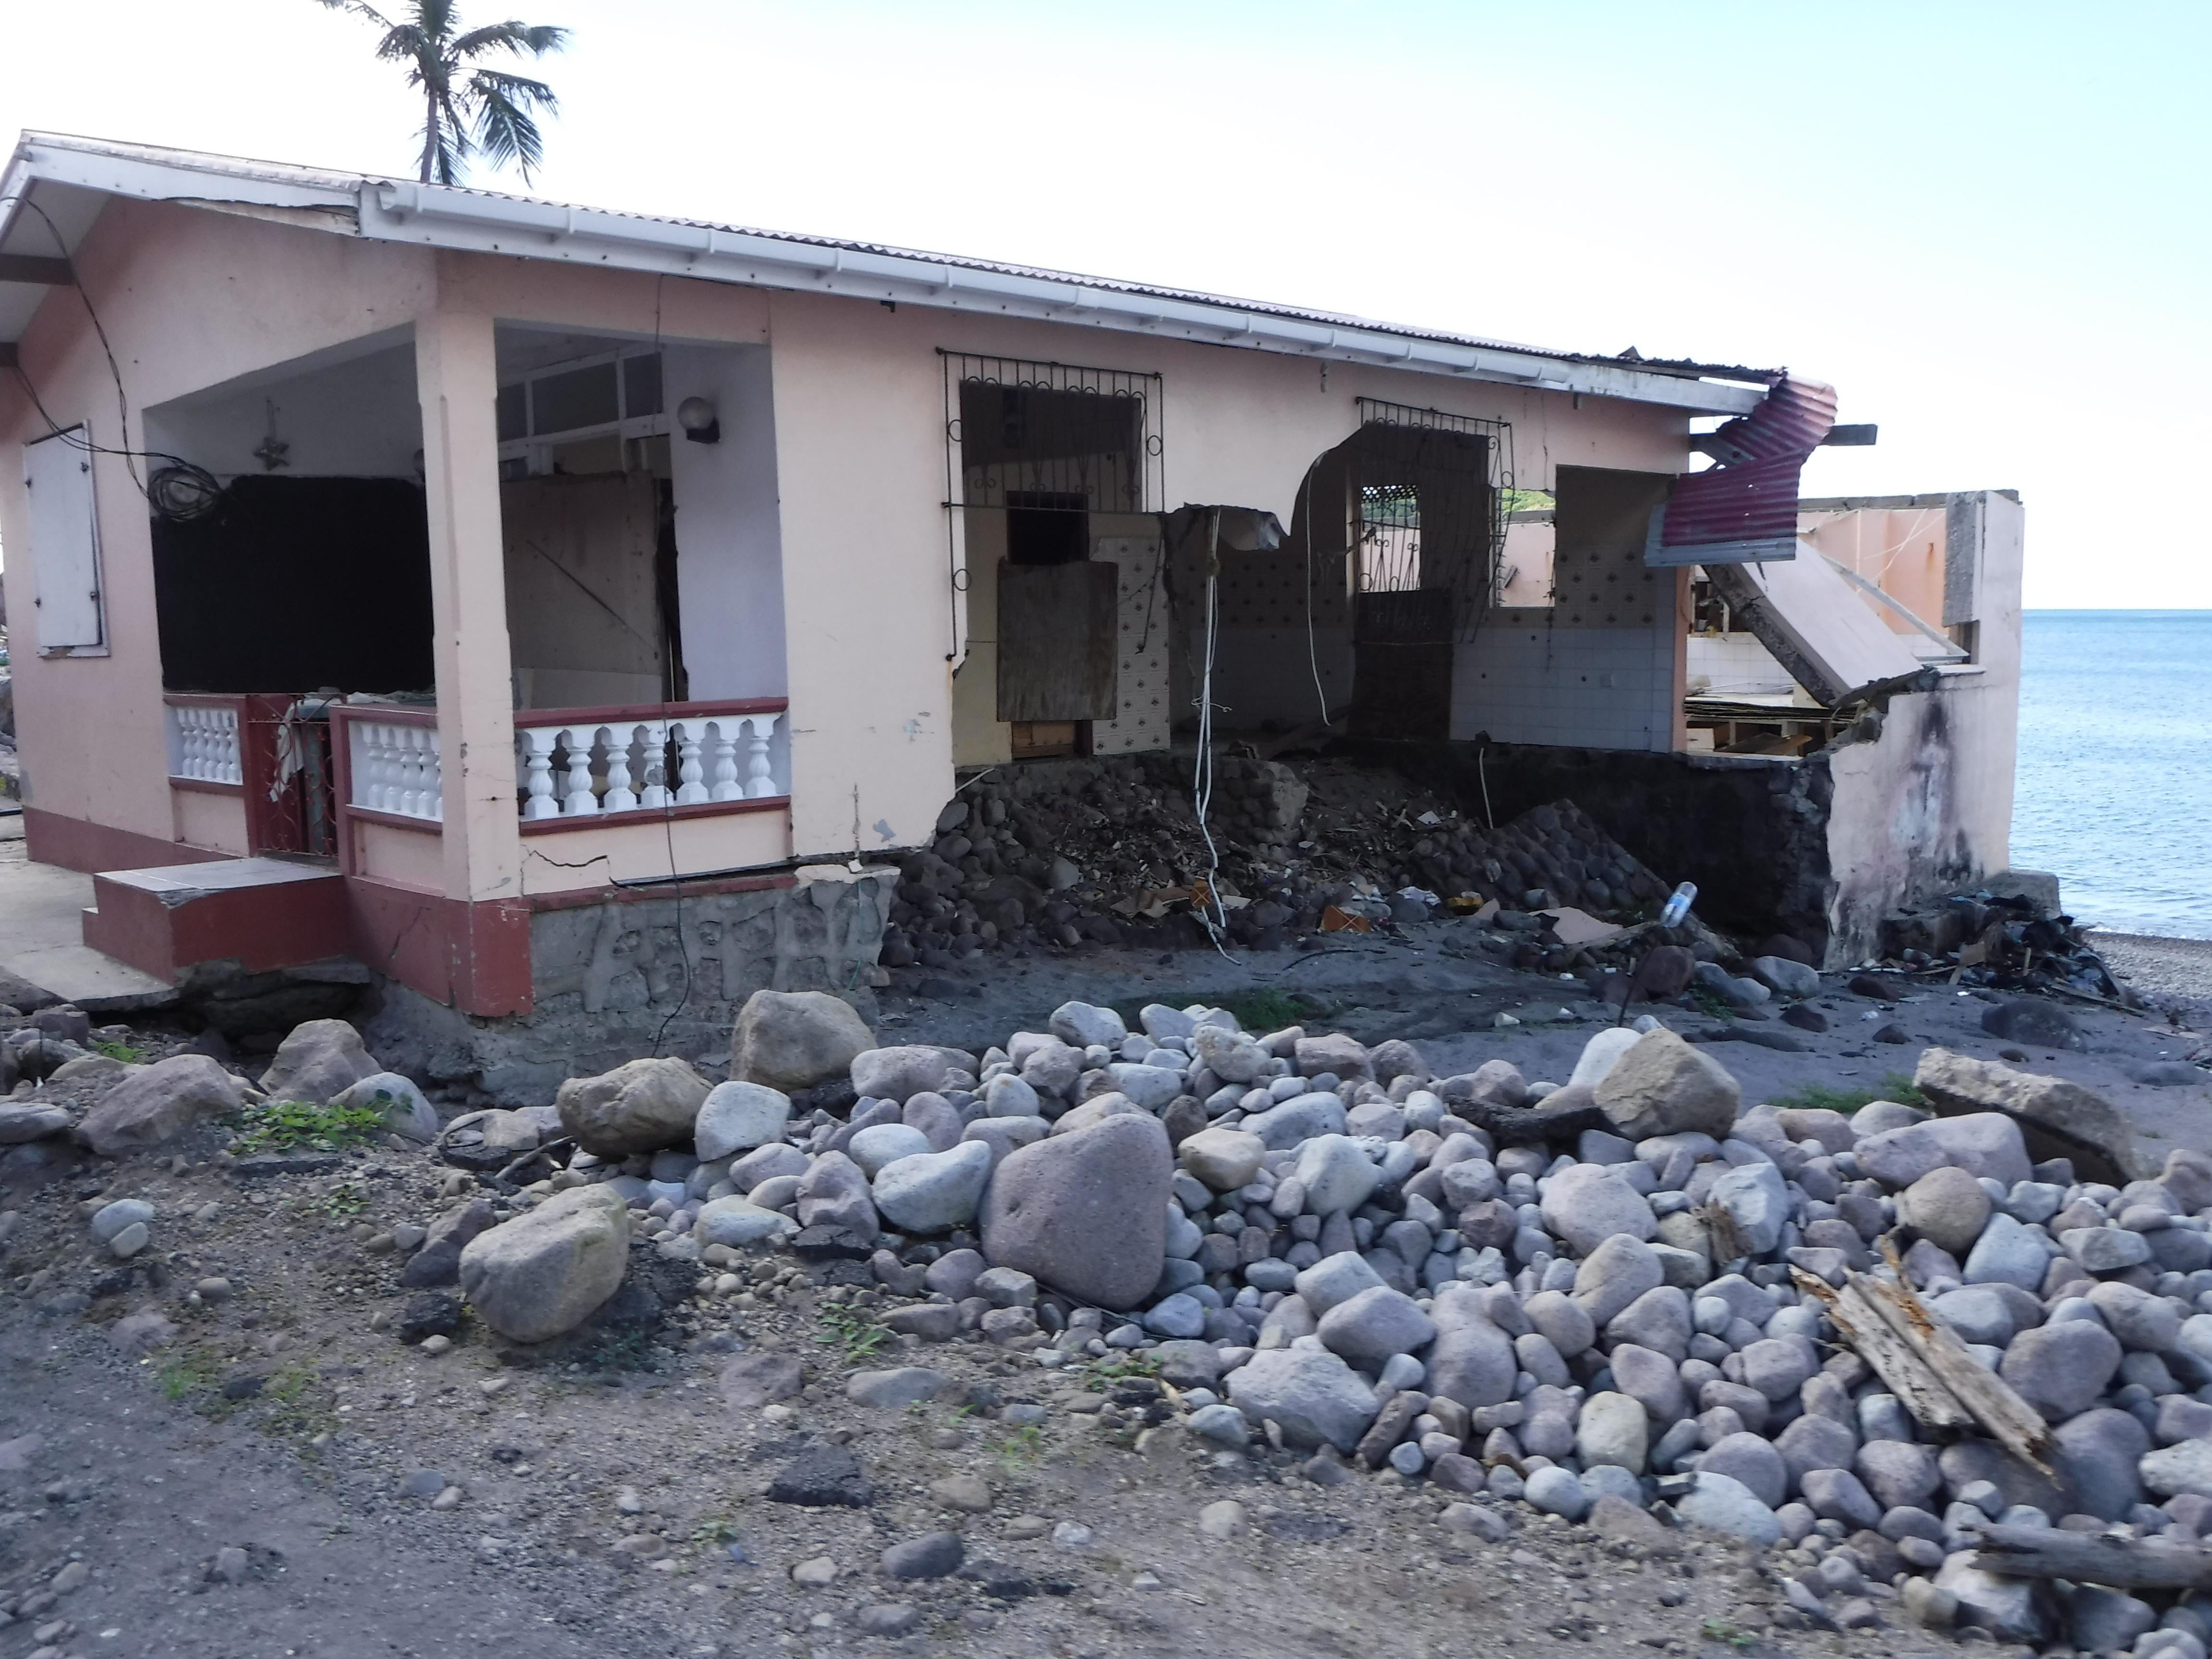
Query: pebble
(1222, 1520)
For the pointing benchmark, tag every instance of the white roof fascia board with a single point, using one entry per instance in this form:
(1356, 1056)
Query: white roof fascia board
(444, 216)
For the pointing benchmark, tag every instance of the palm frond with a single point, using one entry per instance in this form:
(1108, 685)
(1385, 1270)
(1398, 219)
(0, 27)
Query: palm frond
(504, 129)
(359, 9)
(534, 38)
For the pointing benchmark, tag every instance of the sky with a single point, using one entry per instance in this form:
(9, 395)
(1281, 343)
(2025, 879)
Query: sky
(1984, 223)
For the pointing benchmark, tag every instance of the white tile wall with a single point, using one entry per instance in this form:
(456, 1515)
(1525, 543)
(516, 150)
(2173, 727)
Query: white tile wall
(1524, 681)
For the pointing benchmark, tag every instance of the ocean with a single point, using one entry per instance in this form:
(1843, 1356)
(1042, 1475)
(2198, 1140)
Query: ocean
(2115, 780)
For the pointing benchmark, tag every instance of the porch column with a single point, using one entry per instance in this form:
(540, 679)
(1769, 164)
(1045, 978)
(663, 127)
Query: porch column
(456, 379)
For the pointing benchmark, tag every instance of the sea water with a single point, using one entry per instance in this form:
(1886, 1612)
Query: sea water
(2115, 780)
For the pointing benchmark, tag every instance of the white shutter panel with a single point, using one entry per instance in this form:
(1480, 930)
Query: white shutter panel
(64, 541)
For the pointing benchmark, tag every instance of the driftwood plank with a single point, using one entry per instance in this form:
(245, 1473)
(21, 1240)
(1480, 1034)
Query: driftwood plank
(1894, 1360)
(2094, 1557)
(2004, 1416)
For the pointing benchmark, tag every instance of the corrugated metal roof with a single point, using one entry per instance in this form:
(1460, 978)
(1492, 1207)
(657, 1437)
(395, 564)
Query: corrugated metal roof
(1751, 496)
(386, 203)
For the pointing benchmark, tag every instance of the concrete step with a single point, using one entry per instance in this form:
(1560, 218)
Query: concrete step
(42, 941)
(260, 913)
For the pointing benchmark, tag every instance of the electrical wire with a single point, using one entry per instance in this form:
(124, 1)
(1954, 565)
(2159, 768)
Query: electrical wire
(1213, 915)
(1313, 650)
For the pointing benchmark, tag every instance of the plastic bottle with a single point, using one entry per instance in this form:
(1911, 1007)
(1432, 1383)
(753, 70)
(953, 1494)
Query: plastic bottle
(1677, 905)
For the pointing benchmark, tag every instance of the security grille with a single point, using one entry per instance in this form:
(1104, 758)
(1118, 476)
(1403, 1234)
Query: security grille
(1431, 532)
(1051, 436)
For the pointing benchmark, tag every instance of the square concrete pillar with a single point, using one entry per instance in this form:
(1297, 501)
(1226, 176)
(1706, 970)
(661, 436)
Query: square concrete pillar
(456, 379)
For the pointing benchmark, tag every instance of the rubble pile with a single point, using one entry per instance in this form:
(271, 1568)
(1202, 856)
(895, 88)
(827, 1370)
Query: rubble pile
(1630, 1291)
(2003, 941)
(1111, 852)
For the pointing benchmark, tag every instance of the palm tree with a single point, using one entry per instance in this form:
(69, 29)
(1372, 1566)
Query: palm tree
(467, 111)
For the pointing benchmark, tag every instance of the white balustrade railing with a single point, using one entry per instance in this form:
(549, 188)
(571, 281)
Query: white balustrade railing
(204, 744)
(395, 768)
(579, 768)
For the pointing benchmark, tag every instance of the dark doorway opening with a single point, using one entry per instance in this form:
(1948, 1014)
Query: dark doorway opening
(1045, 526)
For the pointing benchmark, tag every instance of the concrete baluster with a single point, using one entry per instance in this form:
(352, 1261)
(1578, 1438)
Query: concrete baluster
(578, 800)
(537, 773)
(690, 789)
(655, 775)
(722, 743)
(760, 777)
(620, 797)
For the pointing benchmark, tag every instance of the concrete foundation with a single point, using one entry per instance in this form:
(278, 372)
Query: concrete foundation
(648, 972)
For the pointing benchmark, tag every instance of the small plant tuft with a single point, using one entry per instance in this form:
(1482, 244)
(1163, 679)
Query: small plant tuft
(852, 1331)
(1822, 1097)
(1106, 1372)
(277, 1126)
(1021, 1449)
(127, 1052)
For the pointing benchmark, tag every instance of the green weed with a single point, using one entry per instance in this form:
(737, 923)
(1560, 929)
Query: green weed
(1706, 1000)
(128, 1055)
(1720, 1630)
(621, 1350)
(857, 1335)
(1822, 1097)
(189, 1374)
(718, 1531)
(1108, 1372)
(344, 1200)
(276, 1125)
(1021, 1449)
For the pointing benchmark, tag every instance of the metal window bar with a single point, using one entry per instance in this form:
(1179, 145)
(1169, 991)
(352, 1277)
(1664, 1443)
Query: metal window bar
(1051, 431)
(1431, 487)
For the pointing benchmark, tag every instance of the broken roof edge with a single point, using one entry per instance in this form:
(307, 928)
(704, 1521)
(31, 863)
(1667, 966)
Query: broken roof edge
(403, 210)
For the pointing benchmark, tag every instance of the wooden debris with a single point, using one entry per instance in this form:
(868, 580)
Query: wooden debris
(1914, 1349)
(1901, 1370)
(2110, 1558)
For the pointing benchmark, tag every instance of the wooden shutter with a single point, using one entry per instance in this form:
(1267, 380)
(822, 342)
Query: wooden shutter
(64, 540)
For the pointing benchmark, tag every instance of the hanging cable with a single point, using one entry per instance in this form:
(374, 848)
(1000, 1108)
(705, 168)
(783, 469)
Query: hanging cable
(1212, 915)
(1313, 651)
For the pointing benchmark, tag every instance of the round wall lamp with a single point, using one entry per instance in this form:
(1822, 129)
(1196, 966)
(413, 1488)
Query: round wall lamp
(700, 423)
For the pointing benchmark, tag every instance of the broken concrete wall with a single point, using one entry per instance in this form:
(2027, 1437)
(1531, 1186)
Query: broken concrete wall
(1751, 831)
(649, 973)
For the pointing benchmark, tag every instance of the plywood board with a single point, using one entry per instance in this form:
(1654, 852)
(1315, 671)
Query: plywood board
(1829, 639)
(1141, 717)
(1057, 634)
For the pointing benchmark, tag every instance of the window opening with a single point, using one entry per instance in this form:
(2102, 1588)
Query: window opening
(1088, 438)
(614, 395)
(1430, 491)
(1046, 526)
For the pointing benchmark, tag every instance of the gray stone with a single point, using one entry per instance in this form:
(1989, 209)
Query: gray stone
(1369, 1327)
(2008, 1253)
(1224, 1159)
(1298, 1119)
(2099, 1621)
(2140, 1320)
(1721, 1504)
(1622, 1268)
(407, 1111)
(2184, 1466)
(1150, 1087)
(1588, 1203)
(1471, 1361)
(2060, 1369)
(1900, 1473)
(1836, 1494)
(1341, 1056)
(112, 1219)
(1613, 1428)
(1757, 1203)
(2105, 1250)
(2010, 1609)
(1785, 977)
(834, 1192)
(791, 1040)
(1086, 1213)
(907, 1385)
(1977, 1313)
(1600, 1055)
(160, 1101)
(752, 1380)
(641, 1106)
(551, 1268)
(1229, 1055)
(1176, 1315)
(317, 1060)
(765, 1164)
(1652, 1379)
(1083, 1025)
(1664, 1085)
(736, 1222)
(1658, 1320)
(932, 1555)
(1003, 1134)
(1335, 1278)
(1222, 1424)
(1310, 1394)
(1959, 1082)
(900, 1072)
(1010, 1095)
(22, 1124)
(1563, 1321)
(1336, 1173)
(2098, 1455)
(880, 1144)
(933, 1192)
(1777, 1366)
(736, 1116)
(1556, 1492)
(1816, 1443)
(131, 1240)
(1947, 1206)
(1753, 1461)
(1980, 1143)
